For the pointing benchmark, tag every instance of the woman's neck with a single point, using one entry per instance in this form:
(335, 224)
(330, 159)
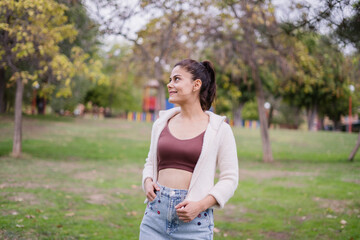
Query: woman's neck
(192, 112)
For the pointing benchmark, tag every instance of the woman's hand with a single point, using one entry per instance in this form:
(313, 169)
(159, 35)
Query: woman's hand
(188, 210)
(150, 188)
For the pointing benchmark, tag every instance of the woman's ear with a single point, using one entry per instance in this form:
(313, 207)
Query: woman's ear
(197, 85)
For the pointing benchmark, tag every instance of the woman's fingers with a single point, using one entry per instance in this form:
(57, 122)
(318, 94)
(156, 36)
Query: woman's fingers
(151, 196)
(156, 187)
(150, 190)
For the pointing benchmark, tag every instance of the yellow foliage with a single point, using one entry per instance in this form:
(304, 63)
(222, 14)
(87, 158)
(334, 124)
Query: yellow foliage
(64, 92)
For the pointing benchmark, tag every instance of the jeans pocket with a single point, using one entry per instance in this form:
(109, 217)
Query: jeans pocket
(155, 199)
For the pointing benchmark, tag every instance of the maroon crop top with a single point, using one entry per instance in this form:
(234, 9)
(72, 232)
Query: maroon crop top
(177, 153)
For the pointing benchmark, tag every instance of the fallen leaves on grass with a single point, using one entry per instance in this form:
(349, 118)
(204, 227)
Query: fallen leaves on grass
(132, 213)
(216, 230)
(70, 214)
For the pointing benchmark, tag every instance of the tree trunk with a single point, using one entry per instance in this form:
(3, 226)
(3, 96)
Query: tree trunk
(352, 155)
(297, 117)
(238, 115)
(311, 117)
(270, 115)
(267, 152)
(16, 151)
(2, 90)
(161, 91)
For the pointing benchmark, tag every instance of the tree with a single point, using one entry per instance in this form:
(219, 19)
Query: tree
(166, 38)
(354, 62)
(235, 85)
(125, 88)
(252, 24)
(88, 40)
(317, 77)
(343, 19)
(31, 32)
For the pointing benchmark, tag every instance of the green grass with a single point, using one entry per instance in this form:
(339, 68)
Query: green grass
(80, 179)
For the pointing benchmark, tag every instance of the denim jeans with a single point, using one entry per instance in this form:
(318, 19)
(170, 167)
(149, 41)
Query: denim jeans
(160, 220)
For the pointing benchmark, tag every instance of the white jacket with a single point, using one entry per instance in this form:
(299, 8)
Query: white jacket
(218, 150)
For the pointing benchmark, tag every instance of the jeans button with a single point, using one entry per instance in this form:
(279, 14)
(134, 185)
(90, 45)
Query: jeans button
(172, 193)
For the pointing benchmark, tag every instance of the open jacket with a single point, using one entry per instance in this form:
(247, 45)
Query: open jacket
(218, 150)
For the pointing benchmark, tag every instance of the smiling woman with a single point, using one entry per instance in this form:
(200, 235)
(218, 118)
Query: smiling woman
(187, 144)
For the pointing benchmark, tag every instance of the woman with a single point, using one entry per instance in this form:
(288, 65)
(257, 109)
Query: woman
(187, 143)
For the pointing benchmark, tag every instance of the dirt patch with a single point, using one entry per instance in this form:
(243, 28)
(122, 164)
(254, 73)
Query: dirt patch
(232, 213)
(8, 212)
(90, 175)
(65, 167)
(338, 206)
(101, 199)
(28, 185)
(268, 174)
(277, 235)
(82, 190)
(301, 219)
(357, 181)
(289, 184)
(135, 170)
(27, 198)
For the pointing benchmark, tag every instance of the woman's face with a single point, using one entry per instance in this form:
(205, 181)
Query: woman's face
(181, 87)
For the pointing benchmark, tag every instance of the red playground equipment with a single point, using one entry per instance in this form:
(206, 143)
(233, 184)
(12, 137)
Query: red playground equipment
(150, 103)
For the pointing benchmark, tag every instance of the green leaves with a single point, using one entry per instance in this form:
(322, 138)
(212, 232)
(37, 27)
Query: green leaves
(33, 33)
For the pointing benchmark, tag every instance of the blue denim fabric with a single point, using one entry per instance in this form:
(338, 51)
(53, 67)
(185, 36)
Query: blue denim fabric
(160, 220)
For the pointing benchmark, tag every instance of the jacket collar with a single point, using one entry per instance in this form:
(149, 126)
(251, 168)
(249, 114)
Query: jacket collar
(215, 120)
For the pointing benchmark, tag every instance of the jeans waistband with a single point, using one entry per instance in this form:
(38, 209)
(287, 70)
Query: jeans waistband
(172, 192)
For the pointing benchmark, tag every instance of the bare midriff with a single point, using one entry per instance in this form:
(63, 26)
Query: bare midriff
(175, 178)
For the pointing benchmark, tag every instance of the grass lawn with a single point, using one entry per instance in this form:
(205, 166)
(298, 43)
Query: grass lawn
(80, 179)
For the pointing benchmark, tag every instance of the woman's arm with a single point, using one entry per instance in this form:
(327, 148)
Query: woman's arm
(227, 163)
(228, 180)
(148, 170)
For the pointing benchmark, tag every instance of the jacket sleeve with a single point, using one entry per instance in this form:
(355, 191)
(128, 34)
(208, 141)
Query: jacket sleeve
(227, 163)
(148, 170)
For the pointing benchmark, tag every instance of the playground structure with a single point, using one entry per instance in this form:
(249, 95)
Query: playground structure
(150, 102)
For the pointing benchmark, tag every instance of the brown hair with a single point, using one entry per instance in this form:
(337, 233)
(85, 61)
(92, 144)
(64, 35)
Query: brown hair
(206, 73)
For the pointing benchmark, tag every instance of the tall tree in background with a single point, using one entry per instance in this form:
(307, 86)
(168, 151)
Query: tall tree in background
(256, 21)
(316, 76)
(345, 27)
(87, 39)
(31, 32)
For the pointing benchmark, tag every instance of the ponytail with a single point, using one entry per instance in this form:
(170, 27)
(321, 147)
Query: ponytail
(206, 73)
(210, 91)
